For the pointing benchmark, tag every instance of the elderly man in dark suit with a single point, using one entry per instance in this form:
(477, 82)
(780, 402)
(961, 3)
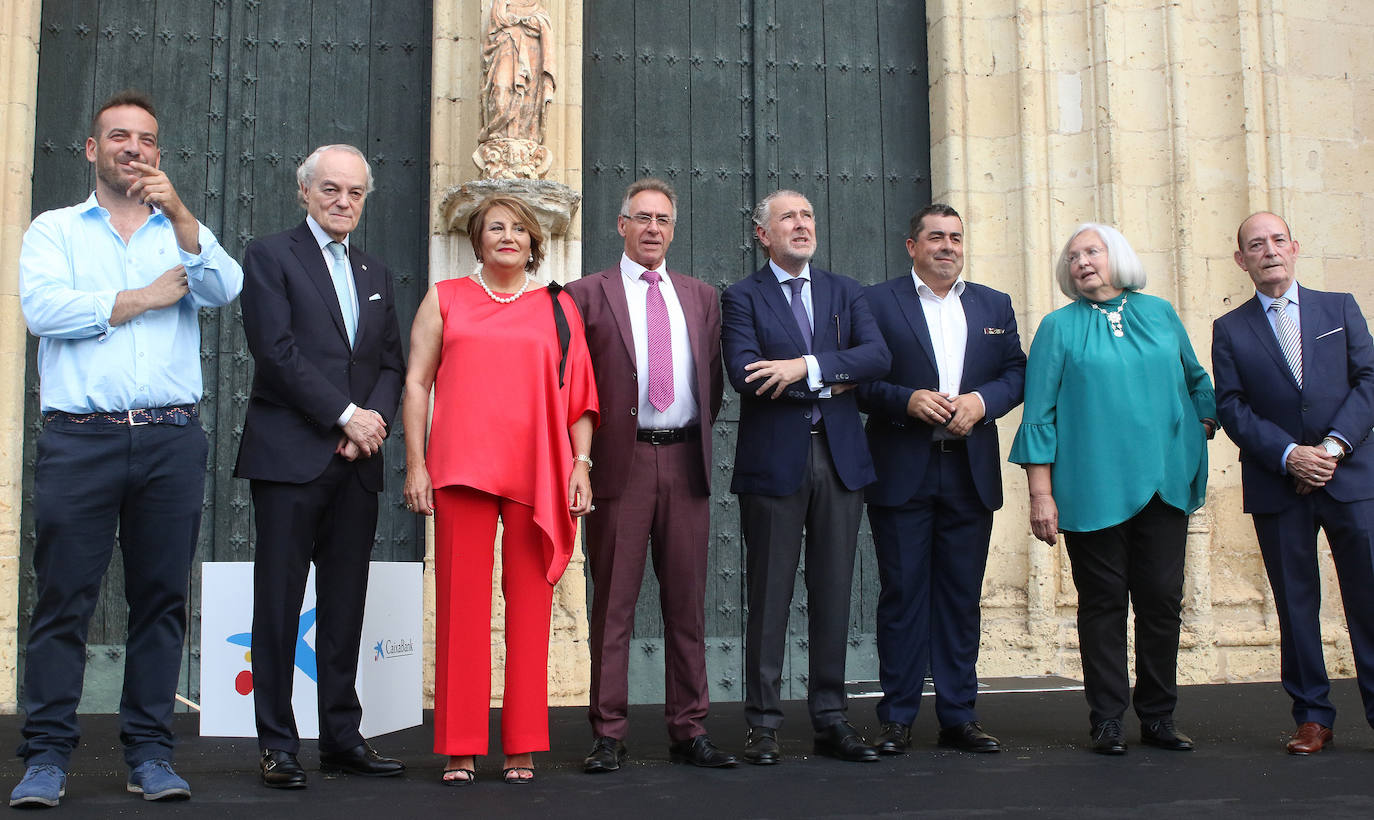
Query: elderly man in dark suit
(654, 338)
(796, 340)
(957, 367)
(1295, 391)
(320, 320)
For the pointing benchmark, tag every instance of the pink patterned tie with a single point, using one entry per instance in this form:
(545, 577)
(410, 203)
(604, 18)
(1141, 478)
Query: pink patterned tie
(660, 344)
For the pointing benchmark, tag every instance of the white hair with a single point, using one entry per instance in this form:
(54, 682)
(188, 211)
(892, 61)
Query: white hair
(1127, 271)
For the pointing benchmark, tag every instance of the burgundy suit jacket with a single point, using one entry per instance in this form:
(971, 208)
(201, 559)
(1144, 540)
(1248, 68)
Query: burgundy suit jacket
(606, 313)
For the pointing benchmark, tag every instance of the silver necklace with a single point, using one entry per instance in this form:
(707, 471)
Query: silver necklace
(506, 300)
(1113, 317)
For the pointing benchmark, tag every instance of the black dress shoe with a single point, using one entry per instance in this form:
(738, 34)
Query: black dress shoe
(1108, 738)
(894, 739)
(1162, 733)
(361, 759)
(969, 737)
(700, 751)
(281, 770)
(607, 754)
(761, 746)
(842, 741)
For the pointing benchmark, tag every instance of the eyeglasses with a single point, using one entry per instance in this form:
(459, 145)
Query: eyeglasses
(1091, 253)
(644, 220)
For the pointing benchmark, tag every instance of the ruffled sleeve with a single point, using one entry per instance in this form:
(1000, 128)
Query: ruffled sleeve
(1037, 439)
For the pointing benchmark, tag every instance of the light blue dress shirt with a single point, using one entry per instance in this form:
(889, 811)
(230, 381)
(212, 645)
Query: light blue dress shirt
(813, 365)
(71, 267)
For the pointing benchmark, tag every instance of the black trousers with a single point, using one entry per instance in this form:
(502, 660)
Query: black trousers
(92, 480)
(773, 528)
(1140, 562)
(331, 522)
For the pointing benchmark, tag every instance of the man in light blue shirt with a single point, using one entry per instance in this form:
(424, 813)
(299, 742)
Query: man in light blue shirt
(112, 288)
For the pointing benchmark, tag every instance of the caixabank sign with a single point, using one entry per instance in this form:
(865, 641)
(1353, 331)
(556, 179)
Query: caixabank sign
(390, 660)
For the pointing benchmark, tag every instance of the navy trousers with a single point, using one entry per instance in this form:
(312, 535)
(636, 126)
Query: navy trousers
(92, 480)
(1288, 542)
(931, 554)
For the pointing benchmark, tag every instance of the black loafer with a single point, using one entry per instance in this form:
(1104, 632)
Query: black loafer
(281, 770)
(761, 746)
(843, 742)
(700, 751)
(969, 737)
(1161, 733)
(606, 756)
(1108, 738)
(894, 739)
(362, 760)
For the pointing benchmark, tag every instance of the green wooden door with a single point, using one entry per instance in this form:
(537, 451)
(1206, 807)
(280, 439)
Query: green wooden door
(728, 100)
(245, 89)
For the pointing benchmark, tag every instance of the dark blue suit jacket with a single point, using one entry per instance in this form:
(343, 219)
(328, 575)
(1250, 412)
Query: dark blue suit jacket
(994, 367)
(305, 372)
(774, 434)
(1263, 410)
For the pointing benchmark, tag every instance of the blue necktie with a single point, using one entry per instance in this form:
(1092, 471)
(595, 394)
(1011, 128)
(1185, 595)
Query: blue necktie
(338, 271)
(1289, 341)
(796, 283)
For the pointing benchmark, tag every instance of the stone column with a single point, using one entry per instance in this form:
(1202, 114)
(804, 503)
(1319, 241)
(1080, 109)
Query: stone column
(19, 21)
(1171, 121)
(459, 27)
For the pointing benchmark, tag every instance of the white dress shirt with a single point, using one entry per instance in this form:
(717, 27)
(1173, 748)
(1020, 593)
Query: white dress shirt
(683, 411)
(948, 338)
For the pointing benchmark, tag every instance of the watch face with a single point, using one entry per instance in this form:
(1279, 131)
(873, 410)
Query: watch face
(1333, 448)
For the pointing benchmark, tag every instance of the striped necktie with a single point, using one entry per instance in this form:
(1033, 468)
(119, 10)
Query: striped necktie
(1289, 340)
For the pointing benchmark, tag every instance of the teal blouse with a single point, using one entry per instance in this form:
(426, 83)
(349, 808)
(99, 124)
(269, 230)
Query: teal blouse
(1119, 418)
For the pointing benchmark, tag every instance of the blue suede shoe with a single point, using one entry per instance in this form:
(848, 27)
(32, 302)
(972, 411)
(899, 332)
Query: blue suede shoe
(155, 780)
(43, 785)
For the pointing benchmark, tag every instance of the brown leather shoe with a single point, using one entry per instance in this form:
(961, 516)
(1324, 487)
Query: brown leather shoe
(1310, 738)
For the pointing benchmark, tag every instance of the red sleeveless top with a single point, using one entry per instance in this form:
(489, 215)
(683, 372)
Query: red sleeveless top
(501, 421)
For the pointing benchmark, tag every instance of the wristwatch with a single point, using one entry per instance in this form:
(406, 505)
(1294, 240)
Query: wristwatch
(1333, 448)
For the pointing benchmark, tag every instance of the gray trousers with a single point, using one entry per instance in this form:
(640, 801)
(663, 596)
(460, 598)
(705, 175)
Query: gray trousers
(827, 514)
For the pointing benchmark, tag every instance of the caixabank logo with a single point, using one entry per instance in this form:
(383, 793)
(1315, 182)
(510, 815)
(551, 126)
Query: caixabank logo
(392, 648)
(305, 653)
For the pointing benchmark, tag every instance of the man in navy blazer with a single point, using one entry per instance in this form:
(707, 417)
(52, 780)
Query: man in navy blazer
(1295, 391)
(320, 320)
(957, 367)
(796, 340)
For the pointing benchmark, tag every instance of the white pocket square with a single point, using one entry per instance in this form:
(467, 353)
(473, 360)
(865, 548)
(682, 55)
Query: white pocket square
(1329, 332)
(376, 297)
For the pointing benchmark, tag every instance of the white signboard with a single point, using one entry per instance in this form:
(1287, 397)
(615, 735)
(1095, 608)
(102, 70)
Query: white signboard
(390, 661)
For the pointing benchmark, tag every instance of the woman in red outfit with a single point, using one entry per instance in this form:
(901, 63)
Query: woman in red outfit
(514, 408)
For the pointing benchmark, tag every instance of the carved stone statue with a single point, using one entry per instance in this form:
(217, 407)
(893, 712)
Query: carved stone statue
(517, 60)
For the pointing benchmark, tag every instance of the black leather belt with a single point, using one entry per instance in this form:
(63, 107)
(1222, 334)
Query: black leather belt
(178, 414)
(949, 445)
(667, 436)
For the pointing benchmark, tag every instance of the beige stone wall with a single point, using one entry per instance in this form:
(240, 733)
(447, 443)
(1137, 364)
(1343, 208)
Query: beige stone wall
(1172, 121)
(18, 101)
(455, 110)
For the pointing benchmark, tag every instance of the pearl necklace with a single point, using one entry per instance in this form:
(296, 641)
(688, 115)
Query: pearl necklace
(505, 300)
(1113, 317)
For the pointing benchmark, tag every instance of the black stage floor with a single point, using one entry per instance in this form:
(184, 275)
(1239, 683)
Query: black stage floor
(1238, 770)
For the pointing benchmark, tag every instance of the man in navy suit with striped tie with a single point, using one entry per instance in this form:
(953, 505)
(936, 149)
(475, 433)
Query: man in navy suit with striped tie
(1295, 391)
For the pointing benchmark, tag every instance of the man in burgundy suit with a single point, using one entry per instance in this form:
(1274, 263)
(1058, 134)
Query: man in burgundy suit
(654, 337)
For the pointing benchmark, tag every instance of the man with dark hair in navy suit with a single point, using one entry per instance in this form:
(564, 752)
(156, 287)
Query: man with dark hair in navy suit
(796, 340)
(1295, 391)
(957, 368)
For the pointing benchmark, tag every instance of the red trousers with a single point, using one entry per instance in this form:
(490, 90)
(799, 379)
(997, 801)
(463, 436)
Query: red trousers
(464, 539)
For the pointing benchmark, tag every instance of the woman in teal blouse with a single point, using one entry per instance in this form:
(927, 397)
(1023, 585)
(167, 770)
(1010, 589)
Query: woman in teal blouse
(1113, 439)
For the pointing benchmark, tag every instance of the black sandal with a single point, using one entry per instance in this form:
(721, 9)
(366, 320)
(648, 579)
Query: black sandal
(512, 776)
(459, 781)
